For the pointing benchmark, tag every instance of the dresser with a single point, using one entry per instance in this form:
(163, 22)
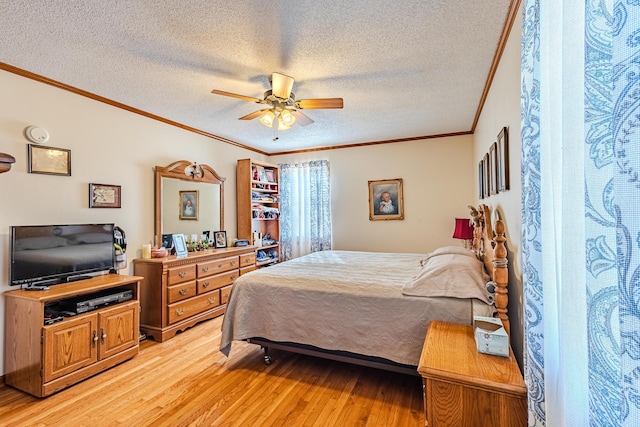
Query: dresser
(176, 294)
(463, 387)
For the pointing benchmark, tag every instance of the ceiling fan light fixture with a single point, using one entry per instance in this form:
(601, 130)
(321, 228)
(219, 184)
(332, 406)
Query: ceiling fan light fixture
(282, 125)
(267, 118)
(287, 118)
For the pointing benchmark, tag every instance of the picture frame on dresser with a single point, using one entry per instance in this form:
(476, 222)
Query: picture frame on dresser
(220, 239)
(180, 245)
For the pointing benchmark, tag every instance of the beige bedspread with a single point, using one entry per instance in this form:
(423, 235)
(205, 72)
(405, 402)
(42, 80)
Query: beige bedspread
(339, 300)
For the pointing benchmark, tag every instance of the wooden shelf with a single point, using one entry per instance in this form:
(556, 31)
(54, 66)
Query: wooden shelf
(247, 223)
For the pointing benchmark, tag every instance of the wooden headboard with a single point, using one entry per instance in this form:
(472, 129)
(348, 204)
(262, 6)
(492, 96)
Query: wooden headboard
(489, 246)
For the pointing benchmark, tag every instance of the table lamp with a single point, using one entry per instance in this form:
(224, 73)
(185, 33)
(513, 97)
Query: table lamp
(463, 231)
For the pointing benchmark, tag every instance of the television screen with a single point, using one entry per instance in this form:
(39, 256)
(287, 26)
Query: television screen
(50, 254)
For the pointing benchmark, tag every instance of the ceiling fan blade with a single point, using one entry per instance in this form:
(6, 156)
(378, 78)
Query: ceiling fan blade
(316, 104)
(281, 85)
(254, 114)
(302, 119)
(235, 95)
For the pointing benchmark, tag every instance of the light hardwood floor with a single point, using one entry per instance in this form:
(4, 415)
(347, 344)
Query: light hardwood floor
(186, 381)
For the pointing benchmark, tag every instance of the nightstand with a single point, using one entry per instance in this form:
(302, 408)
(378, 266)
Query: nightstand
(463, 387)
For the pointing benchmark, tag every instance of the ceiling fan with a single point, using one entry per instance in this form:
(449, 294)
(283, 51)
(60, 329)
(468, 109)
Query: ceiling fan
(283, 106)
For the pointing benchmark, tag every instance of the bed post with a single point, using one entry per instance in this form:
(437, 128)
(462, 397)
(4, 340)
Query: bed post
(501, 275)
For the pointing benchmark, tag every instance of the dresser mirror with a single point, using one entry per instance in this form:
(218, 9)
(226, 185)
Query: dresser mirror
(189, 199)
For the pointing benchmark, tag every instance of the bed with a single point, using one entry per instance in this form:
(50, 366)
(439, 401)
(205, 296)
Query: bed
(366, 307)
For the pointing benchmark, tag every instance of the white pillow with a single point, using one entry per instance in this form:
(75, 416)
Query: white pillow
(451, 275)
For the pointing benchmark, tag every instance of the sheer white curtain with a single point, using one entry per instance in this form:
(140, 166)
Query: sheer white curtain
(305, 207)
(581, 198)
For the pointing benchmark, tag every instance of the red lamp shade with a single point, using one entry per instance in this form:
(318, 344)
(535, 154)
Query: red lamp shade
(463, 229)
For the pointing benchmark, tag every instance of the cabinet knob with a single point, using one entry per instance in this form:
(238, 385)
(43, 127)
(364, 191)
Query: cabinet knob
(182, 292)
(182, 274)
(103, 335)
(95, 338)
(180, 311)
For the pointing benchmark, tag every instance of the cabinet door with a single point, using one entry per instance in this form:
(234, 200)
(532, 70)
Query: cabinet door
(69, 345)
(118, 329)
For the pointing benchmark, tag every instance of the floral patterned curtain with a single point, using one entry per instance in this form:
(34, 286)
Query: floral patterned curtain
(580, 100)
(305, 208)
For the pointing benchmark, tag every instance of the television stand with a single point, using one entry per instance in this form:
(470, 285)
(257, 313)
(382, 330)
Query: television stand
(42, 358)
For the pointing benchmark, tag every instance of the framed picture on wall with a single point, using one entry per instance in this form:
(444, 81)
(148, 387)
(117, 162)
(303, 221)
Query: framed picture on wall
(386, 199)
(503, 159)
(189, 204)
(104, 196)
(480, 179)
(493, 169)
(486, 175)
(49, 160)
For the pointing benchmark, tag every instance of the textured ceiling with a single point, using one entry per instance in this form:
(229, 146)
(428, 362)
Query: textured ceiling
(405, 69)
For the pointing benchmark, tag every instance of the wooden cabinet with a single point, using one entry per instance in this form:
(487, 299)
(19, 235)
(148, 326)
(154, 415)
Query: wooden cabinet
(43, 359)
(463, 387)
(258, 207)
(177, 293)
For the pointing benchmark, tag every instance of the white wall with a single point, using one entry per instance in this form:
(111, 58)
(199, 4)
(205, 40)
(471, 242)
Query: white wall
(437, 179)
(502, 108)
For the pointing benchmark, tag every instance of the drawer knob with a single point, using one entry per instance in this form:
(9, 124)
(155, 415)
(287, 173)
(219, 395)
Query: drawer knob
(205, 268)
(180, 311)
(233, 263)
(212, 300)
(182, 292)
(233, 277)
(220, 265)
(205, 285)
(182, 274)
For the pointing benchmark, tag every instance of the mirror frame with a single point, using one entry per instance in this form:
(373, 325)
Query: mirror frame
(177, 170)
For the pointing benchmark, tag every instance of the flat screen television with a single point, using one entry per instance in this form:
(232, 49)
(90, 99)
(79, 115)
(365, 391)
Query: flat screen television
(45, 255)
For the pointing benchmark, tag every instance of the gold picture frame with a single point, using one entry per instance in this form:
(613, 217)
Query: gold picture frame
(189, 205)
(386, 200)
(49, 160)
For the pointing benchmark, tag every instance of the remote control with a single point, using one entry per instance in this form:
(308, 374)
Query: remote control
(37, 288)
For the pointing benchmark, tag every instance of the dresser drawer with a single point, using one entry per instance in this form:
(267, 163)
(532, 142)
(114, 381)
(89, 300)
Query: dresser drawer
(181, 291)
(217, 266)
(245, 270)
(247, 259)
(224, 294)
(181, 274)
(184, 309)
(217, 281)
